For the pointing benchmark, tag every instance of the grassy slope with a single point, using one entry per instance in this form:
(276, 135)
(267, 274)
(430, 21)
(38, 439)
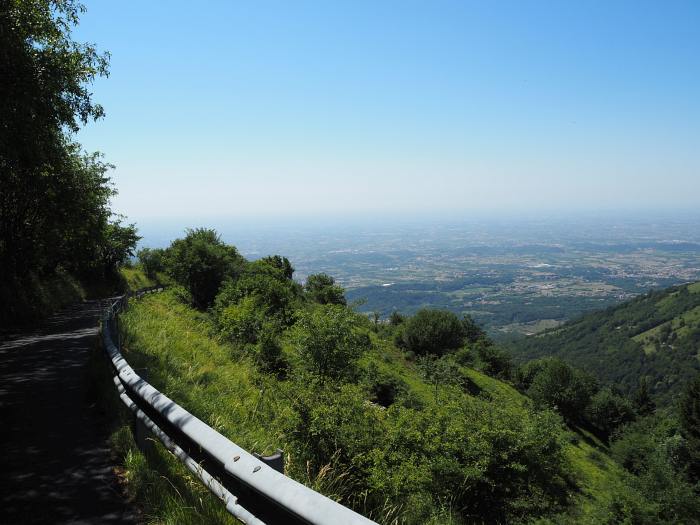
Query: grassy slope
(135, 279)
(619, 344)
(683, 325)
(175, 345)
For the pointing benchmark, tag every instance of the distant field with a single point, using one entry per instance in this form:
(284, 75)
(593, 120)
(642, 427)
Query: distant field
(513, 276)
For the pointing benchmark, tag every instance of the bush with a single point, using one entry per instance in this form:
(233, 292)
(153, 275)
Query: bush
(268, 285)
(200, 262)
(493, 361)
(269, 352)
(607, 411)
(464, 357)
(322, 289)
(431, 332)
(384, 387)
(243, 321)
(328, 340)
(494, 464)
(181, 294)
(152, 261)
(560, 386)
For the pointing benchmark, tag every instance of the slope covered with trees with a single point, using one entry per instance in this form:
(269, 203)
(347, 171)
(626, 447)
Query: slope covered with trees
(651, 342)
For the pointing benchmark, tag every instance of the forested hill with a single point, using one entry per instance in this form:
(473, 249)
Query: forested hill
(654, 338)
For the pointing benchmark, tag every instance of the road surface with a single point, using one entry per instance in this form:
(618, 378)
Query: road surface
(55, 464)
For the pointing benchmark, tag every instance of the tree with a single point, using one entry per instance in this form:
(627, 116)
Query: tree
(472, 331)
(689, 415)
(281, 263)
(52, 196)
(329, 341)
(432, 332)
(117, 245)
(323, 290)
(644, 403)
(200, 262)
(562, 387)
(152, 261)
(608, 411)
(395, 319)
(269, 287)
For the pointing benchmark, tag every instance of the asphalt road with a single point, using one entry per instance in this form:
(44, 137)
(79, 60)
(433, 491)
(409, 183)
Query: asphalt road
(55, 464)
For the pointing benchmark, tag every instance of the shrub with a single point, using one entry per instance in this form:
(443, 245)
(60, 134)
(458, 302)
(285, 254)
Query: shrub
(431, 332)
(607, 411)
(384, 387)
(560, 386)
(328, 340)
(200, 262)
(464, 357)
(152, 261)
(269, 352)
(395, 319)
(322, 289)
(243, 321)
(493, 361)
(267, 285)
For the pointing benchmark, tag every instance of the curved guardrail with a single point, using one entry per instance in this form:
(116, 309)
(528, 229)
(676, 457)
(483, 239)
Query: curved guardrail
(250, 489)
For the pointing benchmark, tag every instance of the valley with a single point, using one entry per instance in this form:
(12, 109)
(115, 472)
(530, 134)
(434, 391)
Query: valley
(514, 276)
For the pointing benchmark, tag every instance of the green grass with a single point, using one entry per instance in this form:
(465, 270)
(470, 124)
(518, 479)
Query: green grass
(596, 475)
(135, 279)
(176, 349)
(690, 322)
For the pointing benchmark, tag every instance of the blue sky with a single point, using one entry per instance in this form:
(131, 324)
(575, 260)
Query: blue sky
(375, 107)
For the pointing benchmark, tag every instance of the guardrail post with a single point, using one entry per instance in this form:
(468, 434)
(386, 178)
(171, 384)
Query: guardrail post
(276, 460)
(141, 434)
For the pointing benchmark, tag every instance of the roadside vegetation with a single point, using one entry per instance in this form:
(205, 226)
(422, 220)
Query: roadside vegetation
(410, 420)
(59, 239)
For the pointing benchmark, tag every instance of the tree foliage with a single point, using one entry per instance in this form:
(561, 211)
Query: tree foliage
(690, 425)
(611, 343)
(152, 261)
(551, 382)
(328, 340)
(431, 332)
(200, 262)
(608, 411)
(54, 198)
(322, 289)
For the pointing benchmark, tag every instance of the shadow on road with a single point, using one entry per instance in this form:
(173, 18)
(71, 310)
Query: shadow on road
(55, 464)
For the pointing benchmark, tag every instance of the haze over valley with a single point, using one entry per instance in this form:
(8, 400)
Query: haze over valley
(515, 275)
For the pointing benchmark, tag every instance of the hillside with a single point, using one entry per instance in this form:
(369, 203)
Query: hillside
(408, 421)
(654, 336)
(223, 386)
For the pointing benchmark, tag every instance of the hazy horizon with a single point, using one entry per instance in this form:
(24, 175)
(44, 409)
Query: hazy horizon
(273, 232)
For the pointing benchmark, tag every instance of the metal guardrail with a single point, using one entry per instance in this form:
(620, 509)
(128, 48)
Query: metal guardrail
(262, 494)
